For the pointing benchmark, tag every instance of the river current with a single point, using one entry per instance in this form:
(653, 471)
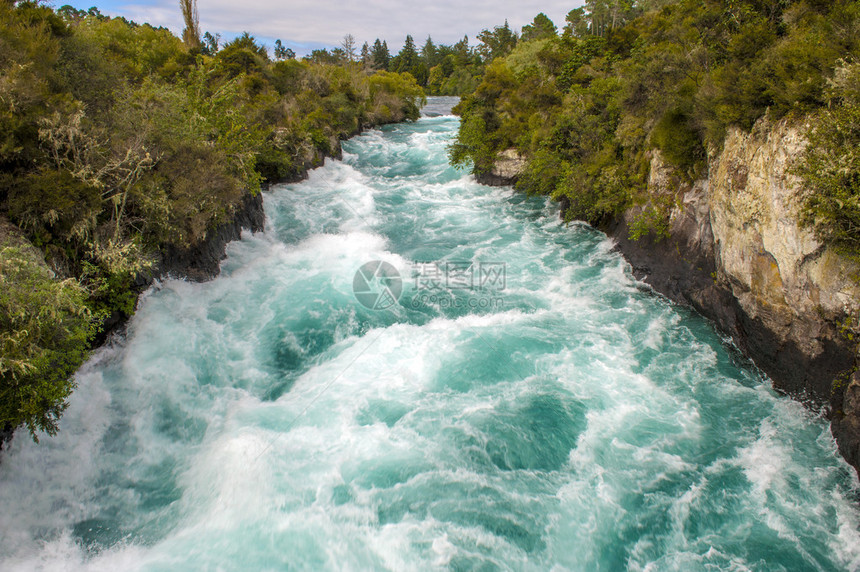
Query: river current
(412, 371)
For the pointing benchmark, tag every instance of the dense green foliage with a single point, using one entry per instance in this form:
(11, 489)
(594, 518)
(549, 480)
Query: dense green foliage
(439, 69)
(831, 165)
(588, 108)
(119, 141)
(45, 328)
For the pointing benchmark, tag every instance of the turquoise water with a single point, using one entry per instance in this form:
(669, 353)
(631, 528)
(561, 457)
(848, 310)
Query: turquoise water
(525, 404)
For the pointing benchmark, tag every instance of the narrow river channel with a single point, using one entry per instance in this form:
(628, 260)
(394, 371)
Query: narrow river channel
(410, 371)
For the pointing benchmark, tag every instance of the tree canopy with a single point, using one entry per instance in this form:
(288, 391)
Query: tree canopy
(120, 142)
(625, 79)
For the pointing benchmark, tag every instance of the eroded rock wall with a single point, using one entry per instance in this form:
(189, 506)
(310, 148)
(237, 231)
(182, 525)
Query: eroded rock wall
(782, 277)
(202, 261)
(738, 254)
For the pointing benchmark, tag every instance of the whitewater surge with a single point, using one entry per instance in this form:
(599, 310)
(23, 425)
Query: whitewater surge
(545, 411)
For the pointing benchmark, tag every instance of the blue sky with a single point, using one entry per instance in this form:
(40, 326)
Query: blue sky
(304, 25)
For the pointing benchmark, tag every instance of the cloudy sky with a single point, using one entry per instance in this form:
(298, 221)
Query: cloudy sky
(308, 24)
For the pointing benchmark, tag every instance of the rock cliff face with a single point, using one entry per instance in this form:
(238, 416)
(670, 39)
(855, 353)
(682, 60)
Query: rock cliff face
(781, 276)
(737, 254)
(197, 263)
(202, 262)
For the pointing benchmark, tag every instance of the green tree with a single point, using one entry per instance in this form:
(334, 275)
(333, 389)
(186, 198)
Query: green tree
(830, 165)
(380, 55)
(339, 56)
(496, 43)
(211, 43)
(434, 80)
(578, 24)
(71, 14)
(407, 58)
(45, 330)
(191, 33)
(242, 55)
(396, 96)
(608, 15)
(366, 57)
(348, 47)
(540, 28)
(280, 51)
(462, 53)
(119, 144)
(322, 56)
(429, 54)
(95, 13)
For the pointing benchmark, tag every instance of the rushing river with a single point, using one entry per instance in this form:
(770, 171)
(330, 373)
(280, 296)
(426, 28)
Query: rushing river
(411, 371)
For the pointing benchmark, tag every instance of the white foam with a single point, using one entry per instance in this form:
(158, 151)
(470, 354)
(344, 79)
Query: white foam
(387, 413)
(42, 487)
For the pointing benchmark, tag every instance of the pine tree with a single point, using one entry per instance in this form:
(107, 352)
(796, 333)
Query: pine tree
(379, 55)
(348, 47)
(211, 44)
(280, 50)
(429, 54)
(366, 58)
(541, 27)
(462, 53)
(408, 56)
(497, 43)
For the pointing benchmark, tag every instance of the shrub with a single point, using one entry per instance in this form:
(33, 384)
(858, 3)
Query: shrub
(53, 205)
(680, 144)
(45, 330)
(830, 169)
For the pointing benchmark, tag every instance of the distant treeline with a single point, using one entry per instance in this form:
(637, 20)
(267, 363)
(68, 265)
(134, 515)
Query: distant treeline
(440, 69)
(119, 141)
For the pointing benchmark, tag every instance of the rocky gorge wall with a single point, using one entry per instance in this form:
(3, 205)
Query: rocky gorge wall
(737, 254)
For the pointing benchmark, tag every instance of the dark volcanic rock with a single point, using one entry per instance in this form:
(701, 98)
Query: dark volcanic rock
(737, 255)
(203, 261)
(6, 434)
(494, 180)
(678, 269)
(845, 422)
(197, 263)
